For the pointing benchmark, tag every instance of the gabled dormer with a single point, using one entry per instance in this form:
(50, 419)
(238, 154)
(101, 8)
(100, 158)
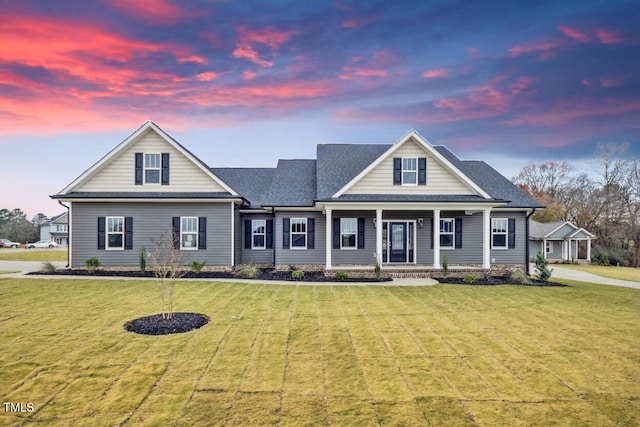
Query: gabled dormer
(148, 161)
(411, 166)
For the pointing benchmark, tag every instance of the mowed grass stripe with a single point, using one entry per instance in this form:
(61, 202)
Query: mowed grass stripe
(296, 355)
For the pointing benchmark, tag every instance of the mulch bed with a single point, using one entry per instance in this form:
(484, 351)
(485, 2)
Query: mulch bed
(156, 325)
(495, 281)
(265, 274)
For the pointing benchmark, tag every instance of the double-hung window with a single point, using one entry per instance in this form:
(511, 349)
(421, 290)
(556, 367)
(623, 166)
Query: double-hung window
(258, 234)
(447, 233)
(348, 233)
(189, 232)
(409, 171)
(115, 232)
(499, 229)
(298, 233)
(152, 164)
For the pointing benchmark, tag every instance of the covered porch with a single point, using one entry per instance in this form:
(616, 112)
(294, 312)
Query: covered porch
(401, 237)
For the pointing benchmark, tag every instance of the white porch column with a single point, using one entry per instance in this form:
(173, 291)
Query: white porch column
(570, 252)
(328, 240)
(486, 238)
(589, 250)
(379, 236)
(544, 248)
(436, 238)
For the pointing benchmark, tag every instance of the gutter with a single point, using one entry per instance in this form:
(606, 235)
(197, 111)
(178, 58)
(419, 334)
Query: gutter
(526, 248)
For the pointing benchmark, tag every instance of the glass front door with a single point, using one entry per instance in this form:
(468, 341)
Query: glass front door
(398, 241)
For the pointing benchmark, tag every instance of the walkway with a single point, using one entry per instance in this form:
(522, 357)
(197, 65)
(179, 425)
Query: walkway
(581, 276)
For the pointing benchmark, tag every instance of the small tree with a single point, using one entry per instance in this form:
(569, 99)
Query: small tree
(166, 261)
(542, 266)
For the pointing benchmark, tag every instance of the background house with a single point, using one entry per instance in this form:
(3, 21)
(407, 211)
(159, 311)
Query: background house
(57, 229)
(559, 241)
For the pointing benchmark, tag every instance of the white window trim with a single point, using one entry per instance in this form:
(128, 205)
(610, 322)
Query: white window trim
(549, 247)
(505, 233)
(306, 225)
(253, 234)
(452, 233)
(403, 170)
(145, 169)
(355, 233)
(107, 233)
(182, 233)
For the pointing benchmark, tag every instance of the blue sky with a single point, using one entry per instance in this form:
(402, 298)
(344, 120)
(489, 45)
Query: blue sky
(245, 83)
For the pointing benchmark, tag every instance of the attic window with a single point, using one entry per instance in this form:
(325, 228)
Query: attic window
(152, 168)
(409, 171)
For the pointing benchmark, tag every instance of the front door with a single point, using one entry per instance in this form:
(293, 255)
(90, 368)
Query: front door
(398, 242)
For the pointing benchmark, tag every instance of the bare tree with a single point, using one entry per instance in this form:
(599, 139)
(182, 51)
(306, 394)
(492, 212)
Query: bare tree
(546, 183)
(166, 261)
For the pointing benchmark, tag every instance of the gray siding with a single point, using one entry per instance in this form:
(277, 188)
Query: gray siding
(257, 256)
(517, 255)
(300, 256)
(149, 221)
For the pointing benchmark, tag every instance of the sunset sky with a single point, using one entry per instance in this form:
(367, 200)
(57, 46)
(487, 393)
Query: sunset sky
(243, 83)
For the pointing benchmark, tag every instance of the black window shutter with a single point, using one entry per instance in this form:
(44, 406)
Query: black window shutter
(336, 233)
(458, 233)
(422, 171)
(311, 233)
(286, 229)
(432, 232)
(360, 233)
(269, 234)
(512, 233)
(247, 234)
(165, 169)
(176, 232)
(397, 171)
(101, 233)
(202, 232)
(128, 232)
(138, 168)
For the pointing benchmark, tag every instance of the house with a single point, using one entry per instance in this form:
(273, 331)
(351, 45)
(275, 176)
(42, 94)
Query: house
(558, 241)
(56, 229)
(409, 205)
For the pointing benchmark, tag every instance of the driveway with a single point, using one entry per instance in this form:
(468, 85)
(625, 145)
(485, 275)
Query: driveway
(581, 276)
(26, 266)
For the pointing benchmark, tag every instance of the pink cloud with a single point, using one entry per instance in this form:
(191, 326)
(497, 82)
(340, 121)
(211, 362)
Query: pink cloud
(607, 82)
(606, 36)
(355, 22)
(543, 49)
(574, 33)
(249, 75)
(269, 37)
(193, 58)
(161, 12)
(522, 84)
(207, 76)
(435, 73)
(586, 82)
(473, 52)
(247, 52)
(374, 67)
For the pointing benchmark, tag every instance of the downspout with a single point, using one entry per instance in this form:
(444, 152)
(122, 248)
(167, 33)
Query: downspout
(526, 247)
(68, 232)
(273, 237)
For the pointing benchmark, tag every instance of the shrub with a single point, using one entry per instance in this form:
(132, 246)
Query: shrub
(92, 264)
(47, 267)
(445, 265)
(142, 260)
(519, 277)
(470, 279)
(197, 266)
(297, 274)
(247, 271)
(542, 266)
(610, 255)
(341, 275)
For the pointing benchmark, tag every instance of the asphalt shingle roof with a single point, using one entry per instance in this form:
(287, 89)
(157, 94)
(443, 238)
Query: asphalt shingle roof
(250, 183)
(293, 184)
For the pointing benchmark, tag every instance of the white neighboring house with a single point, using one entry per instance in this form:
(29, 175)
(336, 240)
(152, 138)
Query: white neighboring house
(56, 230)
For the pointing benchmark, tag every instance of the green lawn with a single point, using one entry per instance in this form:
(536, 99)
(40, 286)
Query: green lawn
(34, 255)
(314, 355)
(622, 273)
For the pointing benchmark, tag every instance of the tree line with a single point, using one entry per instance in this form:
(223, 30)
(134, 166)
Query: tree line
(15, 226)
(604, 200)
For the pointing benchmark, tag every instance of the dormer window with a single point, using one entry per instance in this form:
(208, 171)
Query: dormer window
(152, 168)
